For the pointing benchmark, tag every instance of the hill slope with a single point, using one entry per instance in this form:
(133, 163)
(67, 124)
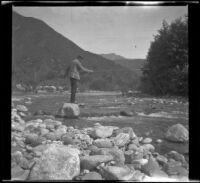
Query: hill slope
(39, 54)
(112, 56)
(133, 64)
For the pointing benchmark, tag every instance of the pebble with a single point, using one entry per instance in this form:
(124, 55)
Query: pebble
(158, 141)
(147, 141)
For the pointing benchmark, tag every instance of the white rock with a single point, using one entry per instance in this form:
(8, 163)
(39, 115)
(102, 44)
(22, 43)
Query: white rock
(58, 162)
(69, 110)
(177, 133)
(21, 108)
(147, 141)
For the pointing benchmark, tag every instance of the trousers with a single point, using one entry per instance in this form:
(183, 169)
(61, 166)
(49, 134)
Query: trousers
(74, 84)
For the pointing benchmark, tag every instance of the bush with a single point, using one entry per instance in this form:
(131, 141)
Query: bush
(166, 68)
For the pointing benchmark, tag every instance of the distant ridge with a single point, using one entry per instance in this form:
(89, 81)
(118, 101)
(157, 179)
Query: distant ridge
(132, 64)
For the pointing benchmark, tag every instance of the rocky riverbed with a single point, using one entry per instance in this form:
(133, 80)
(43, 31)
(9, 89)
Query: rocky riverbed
(49, 149)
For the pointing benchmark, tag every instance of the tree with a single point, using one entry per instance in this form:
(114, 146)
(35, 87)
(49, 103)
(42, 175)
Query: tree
(166, 67)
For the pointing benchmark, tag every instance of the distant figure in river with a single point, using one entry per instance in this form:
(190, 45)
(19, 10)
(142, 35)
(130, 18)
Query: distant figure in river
(73, 72)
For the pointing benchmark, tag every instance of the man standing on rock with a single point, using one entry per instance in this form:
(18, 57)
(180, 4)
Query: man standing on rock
(73, 72)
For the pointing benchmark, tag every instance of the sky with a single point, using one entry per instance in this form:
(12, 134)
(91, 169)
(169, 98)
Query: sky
(123, 30)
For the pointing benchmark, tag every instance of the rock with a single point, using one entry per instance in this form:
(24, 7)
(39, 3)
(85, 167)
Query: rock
(135, 141)
(101, 132)
(147, 141)
(24, 163)
(151, 168)
(128, 130)
(21, 108)
(92, 176)
(177, 157)
(28, 102)
(84, 137)
(16, 118)
(140, 139)
(140, 161)
(159, 141)
(148, 147)
(179, 178)
(67, 139)
(118, 155)
(162, 160)
(132, 147)
(58, 162)
(17, 173)
(177, 133)
(34, 140)
(137, 176)
(121, 139)
(53, 122)
(40, 148)
(126, 113)
(175, 168)
(91, 162)
(17, 127)
(128, 156)
(82, 105)
(60, 131)
(52, 136)
(101, 143)
(42, 126)
(17, 156)
(43, 131)
(69, 110)
(116, 173)
(30, 138)
(139, 154)
(93, 150)
(50, 127)
(22, 114)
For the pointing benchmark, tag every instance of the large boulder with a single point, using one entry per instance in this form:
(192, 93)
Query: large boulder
(58, 162)
(177, 133)
(69, 110)
(91, 162)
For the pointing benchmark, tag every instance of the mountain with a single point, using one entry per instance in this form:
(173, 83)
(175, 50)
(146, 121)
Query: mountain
(133, 64)
(40, 54)
(112, 56)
